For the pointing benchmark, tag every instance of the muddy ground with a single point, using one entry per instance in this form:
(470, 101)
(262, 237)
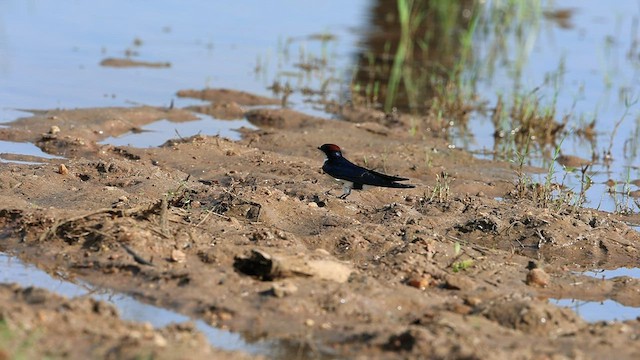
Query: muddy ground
(244, 235)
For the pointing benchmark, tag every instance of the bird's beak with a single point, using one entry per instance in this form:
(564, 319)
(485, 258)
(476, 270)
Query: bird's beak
(319, 148)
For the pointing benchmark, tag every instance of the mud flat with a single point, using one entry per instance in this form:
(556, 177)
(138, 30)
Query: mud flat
(243, 235)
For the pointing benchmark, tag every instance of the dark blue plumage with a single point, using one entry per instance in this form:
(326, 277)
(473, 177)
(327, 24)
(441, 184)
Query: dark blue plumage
(354, 176)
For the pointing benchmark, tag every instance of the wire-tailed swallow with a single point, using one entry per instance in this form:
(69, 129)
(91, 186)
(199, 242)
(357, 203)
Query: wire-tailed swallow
(353, 176)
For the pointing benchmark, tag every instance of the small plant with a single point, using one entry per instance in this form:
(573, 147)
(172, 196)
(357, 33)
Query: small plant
(458, 266)
(623, 202)
(456, 248)
(585, 184)
(523, 181)
(441, 191)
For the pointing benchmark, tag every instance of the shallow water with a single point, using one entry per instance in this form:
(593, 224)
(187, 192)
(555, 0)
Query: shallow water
(587, 66)
(13, 270)
(21, 148)
(158, 132)
(608, 274)
(607, 310)
(593, 311)
(50, 53)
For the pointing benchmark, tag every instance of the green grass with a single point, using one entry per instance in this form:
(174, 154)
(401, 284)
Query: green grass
(15, 346)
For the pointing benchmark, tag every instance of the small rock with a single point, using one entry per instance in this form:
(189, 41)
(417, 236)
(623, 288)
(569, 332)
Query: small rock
(309, 322)
(328, 270)
(178, 256)
(54, 130)
(284, 288)
(159, 340)
(461, 309)
(313, 204)
(62, 170)
(420, 282)
(472, 300)
(537, 277)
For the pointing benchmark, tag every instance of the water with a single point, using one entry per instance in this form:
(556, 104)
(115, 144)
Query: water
(157, 133)
(13, 270)
(587, 67)
(607, 310)
(593, 311)
(20, 148)
(50, 53)
(609, 274)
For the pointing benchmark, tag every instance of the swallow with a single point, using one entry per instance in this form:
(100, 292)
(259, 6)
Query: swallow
(353, 176)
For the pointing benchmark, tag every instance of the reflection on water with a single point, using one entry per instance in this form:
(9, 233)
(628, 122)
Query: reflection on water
(608, 274)
(607, 310)
(592, 311)
(13, 270)
(19, 148)
(50, 53)
(522, 81)
(157, 133)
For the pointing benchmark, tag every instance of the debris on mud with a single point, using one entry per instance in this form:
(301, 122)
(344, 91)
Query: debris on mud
(126, 62)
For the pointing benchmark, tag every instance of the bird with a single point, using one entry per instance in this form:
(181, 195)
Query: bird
(353, 176)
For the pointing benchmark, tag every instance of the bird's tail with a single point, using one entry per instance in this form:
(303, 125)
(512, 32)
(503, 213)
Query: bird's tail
(401, 186)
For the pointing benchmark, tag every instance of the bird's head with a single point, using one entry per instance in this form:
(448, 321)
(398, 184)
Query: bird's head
(330, 150)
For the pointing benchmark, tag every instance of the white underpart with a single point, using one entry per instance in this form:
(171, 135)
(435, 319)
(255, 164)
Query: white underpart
(348, 185)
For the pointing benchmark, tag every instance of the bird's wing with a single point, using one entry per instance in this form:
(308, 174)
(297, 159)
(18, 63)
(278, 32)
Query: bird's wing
(388, 177)
(346, 170)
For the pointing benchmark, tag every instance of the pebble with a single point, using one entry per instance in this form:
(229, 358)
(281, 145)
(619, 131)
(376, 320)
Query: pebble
(62, 169)
(420, 282)
(537, 277)
(159, 340)
(472, 301)
(284, 288)
(178, 256)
